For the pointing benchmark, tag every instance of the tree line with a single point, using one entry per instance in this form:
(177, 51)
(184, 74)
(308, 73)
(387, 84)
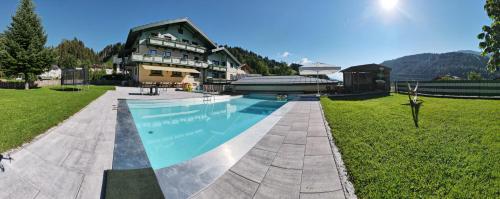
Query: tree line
(259, 64)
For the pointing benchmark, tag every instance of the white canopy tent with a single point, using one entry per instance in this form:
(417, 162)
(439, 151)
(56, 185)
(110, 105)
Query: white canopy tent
(317, 69)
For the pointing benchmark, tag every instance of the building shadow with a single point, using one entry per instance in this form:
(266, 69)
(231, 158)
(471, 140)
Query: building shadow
(359, 96)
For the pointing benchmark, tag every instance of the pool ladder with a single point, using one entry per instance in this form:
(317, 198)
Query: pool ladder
(207, 97)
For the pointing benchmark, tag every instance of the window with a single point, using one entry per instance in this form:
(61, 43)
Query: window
(152, 52)
(180, 30)
(176, 74)
(195, 75)
(196, 58)
(168, 37)
(156, 73)
(167, 54)
(185, 56)
(185, 41)
(215, 62)
(154, 34)
(194, 43)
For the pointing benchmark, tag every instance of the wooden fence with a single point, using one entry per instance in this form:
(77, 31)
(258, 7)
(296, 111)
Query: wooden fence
(459, 88)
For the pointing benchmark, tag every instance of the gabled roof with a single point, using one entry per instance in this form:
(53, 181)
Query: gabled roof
(229, 53)
(134, 32)
(366, 68)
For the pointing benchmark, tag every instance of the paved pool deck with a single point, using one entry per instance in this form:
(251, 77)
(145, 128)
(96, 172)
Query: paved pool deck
(293, 159)
(68, 161)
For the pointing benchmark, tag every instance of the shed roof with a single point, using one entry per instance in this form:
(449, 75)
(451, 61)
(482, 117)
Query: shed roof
(366, 68)
(266, 80)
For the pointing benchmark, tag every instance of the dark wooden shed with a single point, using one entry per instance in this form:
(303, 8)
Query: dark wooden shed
(366, 78)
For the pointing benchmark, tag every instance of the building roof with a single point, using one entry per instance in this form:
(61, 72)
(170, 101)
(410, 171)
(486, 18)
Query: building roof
(275, 80)
(229, 53)
(134, 32)
(366, 68)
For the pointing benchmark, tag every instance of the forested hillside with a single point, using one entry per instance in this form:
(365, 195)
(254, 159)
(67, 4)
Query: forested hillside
(259, 64)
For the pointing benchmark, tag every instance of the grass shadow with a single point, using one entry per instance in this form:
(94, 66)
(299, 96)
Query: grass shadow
(358, 97)
(66, 89)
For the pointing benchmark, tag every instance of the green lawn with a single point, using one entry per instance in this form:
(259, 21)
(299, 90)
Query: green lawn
(24, 114)
(455, 153)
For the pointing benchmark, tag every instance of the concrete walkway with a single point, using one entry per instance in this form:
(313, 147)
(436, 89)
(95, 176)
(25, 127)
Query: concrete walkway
(69, 160)
(294, 160)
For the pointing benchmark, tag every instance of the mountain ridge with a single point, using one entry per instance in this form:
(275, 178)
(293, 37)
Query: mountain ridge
(427, 66)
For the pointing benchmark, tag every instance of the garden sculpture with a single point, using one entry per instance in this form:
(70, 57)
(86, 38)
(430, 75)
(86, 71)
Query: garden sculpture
(414, 102)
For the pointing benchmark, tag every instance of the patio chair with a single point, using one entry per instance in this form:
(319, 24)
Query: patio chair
(147, 85)
(164, 85)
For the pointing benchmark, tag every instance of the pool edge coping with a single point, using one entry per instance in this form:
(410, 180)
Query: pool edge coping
(248, 133)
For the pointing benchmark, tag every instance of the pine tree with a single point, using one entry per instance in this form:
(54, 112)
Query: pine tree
(23, 50)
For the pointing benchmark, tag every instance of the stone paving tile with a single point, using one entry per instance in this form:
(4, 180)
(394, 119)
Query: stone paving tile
(339, 194)
(54, 180)
(290, 156)
(229, 185)
(270, 143)
(18, 189)
(40, 148)
(316, 123)
(296, 137)
(280, 130)
(41, 195)
(318, 146)
(78, 160)
(316, 131)
(280, 183)
(254, 164)
(89, 188)
(300, 126)
(320, 174)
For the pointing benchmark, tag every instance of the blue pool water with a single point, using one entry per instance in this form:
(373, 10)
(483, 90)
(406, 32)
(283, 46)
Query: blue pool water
(173, 132)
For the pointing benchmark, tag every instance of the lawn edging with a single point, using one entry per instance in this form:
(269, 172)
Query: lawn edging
(347, 185)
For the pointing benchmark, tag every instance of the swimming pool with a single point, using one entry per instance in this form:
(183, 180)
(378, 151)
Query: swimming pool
(173, 132)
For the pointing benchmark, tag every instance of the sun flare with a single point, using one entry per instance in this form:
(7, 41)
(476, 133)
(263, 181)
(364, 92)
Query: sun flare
(388, 4)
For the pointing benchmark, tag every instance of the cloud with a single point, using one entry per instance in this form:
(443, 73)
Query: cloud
(285, 54)
(304, 60)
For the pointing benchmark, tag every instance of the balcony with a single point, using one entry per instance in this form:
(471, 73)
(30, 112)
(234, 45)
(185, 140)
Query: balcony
(176, 44)
(168, 60)
(218, 67)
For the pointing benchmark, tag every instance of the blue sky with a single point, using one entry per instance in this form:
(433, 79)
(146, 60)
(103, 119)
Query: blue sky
(340, 32)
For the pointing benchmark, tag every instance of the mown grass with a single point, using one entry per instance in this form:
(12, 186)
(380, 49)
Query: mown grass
(454, 154)
(24, 114)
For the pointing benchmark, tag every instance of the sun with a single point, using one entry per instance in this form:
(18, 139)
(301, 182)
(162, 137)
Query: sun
(388, 4)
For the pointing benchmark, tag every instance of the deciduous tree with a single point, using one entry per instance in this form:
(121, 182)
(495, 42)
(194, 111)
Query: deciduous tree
(490, 37)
